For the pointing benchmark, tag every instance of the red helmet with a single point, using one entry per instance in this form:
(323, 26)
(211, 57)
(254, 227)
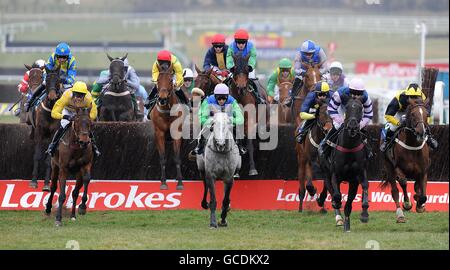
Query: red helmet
(218, 39)
(241, 34)
(164, 55)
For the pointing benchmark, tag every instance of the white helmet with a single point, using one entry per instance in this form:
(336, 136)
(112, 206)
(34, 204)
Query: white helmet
(221, 89)
(357, 84)
(187, 73)
(40, 63)
(336, 65)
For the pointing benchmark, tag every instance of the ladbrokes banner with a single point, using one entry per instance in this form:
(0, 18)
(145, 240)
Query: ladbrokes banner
(246, 195)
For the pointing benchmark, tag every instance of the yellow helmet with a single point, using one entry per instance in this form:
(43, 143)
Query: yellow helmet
(413, 89)
(80, 87)
(322, 87)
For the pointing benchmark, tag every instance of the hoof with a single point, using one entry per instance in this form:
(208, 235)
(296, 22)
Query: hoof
(73, 218)
(420, 209)
(236, 175)
(401, 220)
(48, 212)
(58, 223)
(81, 211)
(253, 172)
(163, 187)
(205, 205)
(223, 224)
(300, 210)
(323, 211)
(364, 219)
(407, 206)
(213, 226)
(46, 188)
(33, 184)
(180, 187)
(339, 223)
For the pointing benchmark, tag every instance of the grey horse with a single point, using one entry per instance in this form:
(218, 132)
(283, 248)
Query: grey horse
(220, 160)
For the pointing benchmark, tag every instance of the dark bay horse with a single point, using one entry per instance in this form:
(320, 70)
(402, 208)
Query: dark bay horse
(349, 163)
(116, 98)
(206, 80)
(34, 80)
(74, 156)
(310, 79)
(307, 154)
(240, 89)
(165, 123)
(409, 159)
(44, 126)
(284, 85)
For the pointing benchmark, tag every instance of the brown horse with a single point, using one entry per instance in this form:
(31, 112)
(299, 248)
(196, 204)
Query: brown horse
(206, 80)
(310, 79)
(44, 126)
(307, 154)
(409, 159)
(241, 90)
(34, 80)
(284, 85)
(163, 120)
(73, 156)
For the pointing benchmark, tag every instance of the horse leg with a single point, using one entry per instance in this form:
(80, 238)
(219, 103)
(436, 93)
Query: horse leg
(62, 197)
(252, 171)
(177, 159)
(336, 200)
(407, 205)
(54, 186)
(228, 184)
(365, 198)
(301, 189)
(75, 194)
(160, 144)
(86, 180)
(321, 199)
(47, 173)
(36, 158)
(420, 206)
(309, 184)
(352, 189)
(205, 204)
(212, 201)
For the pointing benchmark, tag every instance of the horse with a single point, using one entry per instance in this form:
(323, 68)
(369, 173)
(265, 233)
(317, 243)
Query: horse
(409, 158)
(73, 156)
(310, 79)
(349, 163)
(35, 75)
(43, 126)
(284, 85)
(163, 119)
(116, 97)
(220, 160)
(241, 88)
(206, 80)
(307, 153)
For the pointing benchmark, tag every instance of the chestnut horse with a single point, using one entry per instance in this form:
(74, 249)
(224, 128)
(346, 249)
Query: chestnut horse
(34, 80)
(44, 126)
(163, 120)
(73, 156)
(206, 80)
(310, 79)
(307, 154)
(284, 85)
(409, 159)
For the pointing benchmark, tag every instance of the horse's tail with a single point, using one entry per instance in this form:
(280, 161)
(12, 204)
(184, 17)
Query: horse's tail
(384, 180)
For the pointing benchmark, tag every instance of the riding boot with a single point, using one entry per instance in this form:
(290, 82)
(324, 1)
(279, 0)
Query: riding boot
(432, 142)
(200, 146)
(37, 93)
(94, 145)
(387, 140)
(297, 85)
(241, 146)
(138, 114)
(366, 143)
(323, 146)
(256, 94)
(151, 100)
(303, 130)
(54, 144)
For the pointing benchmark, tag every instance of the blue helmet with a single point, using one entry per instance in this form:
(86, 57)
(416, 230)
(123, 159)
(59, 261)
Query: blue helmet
(308, 47)
(62, 49)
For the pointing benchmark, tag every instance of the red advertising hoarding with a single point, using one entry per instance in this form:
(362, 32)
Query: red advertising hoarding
(393, 69)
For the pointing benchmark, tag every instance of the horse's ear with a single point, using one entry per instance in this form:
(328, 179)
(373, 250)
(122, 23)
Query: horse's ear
(197, 69)
(27, 66)
(109, 57)
(125, 57)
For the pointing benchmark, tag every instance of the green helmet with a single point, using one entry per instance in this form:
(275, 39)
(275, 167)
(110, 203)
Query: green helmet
(285, 63)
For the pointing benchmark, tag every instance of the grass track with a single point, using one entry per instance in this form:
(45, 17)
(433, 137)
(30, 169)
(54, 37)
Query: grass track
(188, 229)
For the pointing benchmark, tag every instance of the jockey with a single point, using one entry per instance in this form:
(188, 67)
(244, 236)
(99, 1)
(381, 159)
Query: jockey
(336, 78)
(62, 58)
(188, 80)
(286, 71)
(215, 57)
(166, 58)
(398, 106)
(310, 106)
(23, 86)
(97, 87)
(246, 47)
(76, 97)
(309, 53)
(221, 100)
(336, 110)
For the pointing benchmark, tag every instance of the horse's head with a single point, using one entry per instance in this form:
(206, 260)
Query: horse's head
(353, 116)
(52, 83)
(285, 83)
(221, 128)
(204, 80)
(117, 69)
(324, 120)
(416, 117)
(312, 75)
(82, 126)
(164, 83)
(35, 76)
(241, 70)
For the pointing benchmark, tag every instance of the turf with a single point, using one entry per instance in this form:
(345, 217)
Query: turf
(188, 229)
